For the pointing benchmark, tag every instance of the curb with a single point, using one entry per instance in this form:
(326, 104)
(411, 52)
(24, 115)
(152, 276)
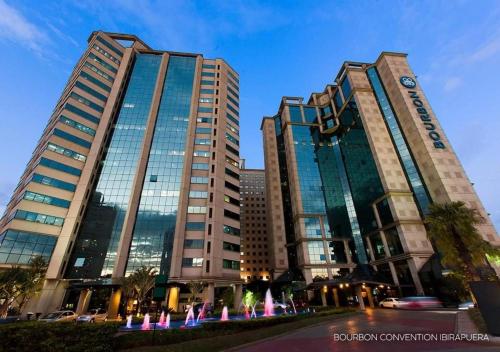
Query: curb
(249, 344)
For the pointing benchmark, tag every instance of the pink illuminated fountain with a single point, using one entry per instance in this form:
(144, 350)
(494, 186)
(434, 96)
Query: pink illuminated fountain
(129, 322)
(190, 316)
(224, 316)
(167, 322)
(268, 304)
(162, 319)
(145, 324)
(247, 313)
(201, 314)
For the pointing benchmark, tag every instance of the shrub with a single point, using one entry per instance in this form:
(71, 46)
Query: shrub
(51, 337)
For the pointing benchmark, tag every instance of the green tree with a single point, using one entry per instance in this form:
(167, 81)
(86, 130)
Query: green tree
(32, 280)
(452, 227)
(142, 280)
(195, 288)
(10, 280)
(21, 284)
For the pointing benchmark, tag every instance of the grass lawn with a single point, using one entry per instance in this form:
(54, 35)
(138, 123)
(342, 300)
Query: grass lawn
(223, 342)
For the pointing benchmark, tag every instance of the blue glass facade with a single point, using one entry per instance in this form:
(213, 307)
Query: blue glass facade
(96, 245)
(155, 224)
(409, 166)
(18, 247)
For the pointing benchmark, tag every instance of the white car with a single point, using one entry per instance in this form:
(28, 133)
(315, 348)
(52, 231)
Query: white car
(93, 316)
(389, 302)
(59, 316)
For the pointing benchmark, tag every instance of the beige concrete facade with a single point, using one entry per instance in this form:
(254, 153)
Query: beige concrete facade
(255, 238)
(441, 172)
(76, 138)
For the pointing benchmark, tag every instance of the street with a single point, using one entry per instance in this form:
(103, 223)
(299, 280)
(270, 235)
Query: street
(381, 324)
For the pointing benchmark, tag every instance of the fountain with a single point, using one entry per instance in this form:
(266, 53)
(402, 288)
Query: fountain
(254, 314)
(167, 322)
(145, 324)
(190, 316)
(268, 304)
(247, 313)
(129, 322)
(201, 314)
(224, 316)
(162, 319)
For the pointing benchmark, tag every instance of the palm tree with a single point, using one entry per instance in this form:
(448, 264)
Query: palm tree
(452, 228)
(143, 280)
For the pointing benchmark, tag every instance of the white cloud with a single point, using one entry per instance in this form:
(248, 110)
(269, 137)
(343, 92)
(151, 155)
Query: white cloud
(486, 51)
(452, 83)
(17, 28)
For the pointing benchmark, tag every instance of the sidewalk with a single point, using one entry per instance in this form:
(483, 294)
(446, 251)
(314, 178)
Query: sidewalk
(464, 325)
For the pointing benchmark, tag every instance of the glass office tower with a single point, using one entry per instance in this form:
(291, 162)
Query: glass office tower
(135, 168)
(358, 166)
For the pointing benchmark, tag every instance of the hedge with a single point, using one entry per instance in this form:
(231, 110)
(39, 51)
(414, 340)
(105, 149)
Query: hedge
(103, 337)
(52, 337)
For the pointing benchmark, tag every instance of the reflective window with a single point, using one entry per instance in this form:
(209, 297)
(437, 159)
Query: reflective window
(295, 114)
(99, 235)
(101, 62)
(203, 130)
(42, 198)
(198, 194)
(60, 166)
(194, 244)
(230, 264)
(195, 226)
(196, 210)
(40, 218)
(99, 72)
(232, 139)
(192, 262)
(66, 152)
(202, 153)
(231, 230)
(313, 227)
(228, 246)
(199, 179)
(53, 182)
(18, 247)
(199, 166)
(76, 125)
(86, 101)
(316, 252)
(233, 119)
(377, 246)
(95, 81)
(81, 113)
(108, 45)
(91, 91)
(399, 141)
(152, 239)
(310, 114)
(393, 241)
(69, 137)
(346, 88)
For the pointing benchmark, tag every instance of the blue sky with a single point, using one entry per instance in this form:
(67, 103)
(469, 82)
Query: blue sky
(279, 48)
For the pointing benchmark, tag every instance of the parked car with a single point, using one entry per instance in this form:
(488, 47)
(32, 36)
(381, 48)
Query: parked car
(93, 316)
(466, 305)
(59, 316)
(419, 302)
(389, 302)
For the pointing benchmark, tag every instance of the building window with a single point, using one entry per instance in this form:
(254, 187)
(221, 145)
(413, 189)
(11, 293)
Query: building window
(231, 264)
(18, 247)
(40, 218)
(195, 226)
(42, 198)
(197, 210)
(231, 230)
(194, 244)
(228, 246)
(192, 262)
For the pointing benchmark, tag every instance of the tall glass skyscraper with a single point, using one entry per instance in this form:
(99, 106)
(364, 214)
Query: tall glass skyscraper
(356, 168)
(136, 167)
